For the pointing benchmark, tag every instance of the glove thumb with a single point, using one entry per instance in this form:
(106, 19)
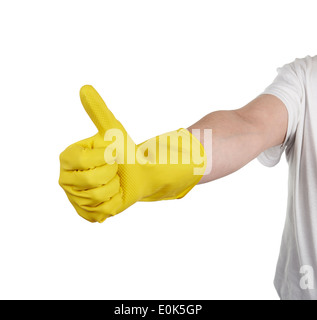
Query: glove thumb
(98, 111)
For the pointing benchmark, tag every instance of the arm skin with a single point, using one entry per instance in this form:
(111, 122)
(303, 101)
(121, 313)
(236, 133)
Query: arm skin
(239, 136)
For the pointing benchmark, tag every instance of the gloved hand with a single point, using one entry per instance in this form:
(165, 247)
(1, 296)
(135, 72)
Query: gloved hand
(105, 174)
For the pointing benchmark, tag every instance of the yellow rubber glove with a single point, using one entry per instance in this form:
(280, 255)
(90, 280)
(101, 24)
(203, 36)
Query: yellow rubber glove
(105, 174)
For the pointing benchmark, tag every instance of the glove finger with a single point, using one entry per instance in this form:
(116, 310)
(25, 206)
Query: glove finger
(98, 111)
(86, 154)
(95, 196)
(101, 212)
(96, 141)
(87, 179)
(75, 157)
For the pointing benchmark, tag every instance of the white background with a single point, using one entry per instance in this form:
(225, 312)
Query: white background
(159, 65)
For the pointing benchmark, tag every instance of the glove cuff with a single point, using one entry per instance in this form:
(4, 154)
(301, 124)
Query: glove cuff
(180, 164)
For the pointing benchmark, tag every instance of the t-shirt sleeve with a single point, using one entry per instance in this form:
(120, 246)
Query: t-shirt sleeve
(288, 86)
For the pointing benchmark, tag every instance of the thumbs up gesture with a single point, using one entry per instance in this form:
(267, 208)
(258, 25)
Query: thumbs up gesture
(105, 174)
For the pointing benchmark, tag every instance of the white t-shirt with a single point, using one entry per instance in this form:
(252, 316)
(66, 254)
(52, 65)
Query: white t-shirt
(296, 86)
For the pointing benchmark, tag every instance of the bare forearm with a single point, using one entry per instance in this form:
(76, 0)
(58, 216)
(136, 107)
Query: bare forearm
(234, 143)
(239, 136)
